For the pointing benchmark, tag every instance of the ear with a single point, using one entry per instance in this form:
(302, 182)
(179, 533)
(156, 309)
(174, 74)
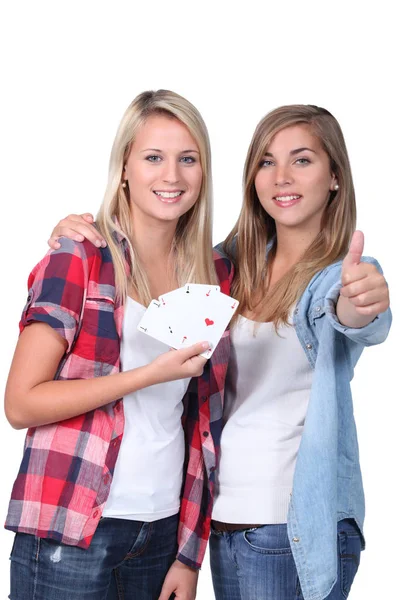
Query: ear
(334, 183)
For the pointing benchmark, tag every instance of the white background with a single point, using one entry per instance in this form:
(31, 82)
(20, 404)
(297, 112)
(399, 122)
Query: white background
(69, 70)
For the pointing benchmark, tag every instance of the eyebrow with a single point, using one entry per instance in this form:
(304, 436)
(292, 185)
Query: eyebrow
(158, 150)
(292, 152)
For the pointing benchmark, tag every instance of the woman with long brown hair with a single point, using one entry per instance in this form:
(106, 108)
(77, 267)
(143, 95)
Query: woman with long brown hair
(289, 506)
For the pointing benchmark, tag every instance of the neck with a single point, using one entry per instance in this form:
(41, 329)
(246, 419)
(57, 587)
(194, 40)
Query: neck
(152, 240)
(291, 243)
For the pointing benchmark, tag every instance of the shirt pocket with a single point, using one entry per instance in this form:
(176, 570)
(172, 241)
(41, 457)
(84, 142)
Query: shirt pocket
(317, 310)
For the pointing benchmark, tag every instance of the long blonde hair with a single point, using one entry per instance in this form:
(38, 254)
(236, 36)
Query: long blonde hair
(192, 244)
(246, 244)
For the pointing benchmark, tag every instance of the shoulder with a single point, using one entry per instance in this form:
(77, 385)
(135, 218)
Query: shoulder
(73, 261)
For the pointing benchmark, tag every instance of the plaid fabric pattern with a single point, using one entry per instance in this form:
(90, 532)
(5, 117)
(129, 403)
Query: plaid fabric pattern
(202, 419)
(67, 467)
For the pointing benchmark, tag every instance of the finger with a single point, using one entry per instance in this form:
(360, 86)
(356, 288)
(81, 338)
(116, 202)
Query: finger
(54, 243)
(198, 361)
(355, 250)
(363, 285)
(194, 350)
(373, 309)
(369, 298)
(166, 592)
(88, 217)
(79, 231)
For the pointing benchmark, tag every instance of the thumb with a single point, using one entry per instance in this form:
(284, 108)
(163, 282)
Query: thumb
(166, 591)
(356, 249)
(194, 350)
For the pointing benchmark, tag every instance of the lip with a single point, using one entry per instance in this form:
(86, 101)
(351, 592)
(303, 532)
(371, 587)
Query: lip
(169, 200)
(287, 204)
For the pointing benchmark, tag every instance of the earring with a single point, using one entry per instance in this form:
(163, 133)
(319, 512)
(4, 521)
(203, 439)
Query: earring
(123, 184)
(336, 187)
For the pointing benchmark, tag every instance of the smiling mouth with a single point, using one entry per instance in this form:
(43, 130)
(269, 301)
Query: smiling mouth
(287, 198)
(169, 197)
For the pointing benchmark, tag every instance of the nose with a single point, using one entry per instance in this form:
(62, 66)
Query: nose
(171, 172)
(283, 176)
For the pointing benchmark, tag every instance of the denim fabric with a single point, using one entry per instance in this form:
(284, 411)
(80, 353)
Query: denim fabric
(126, 559)
(258, 564)
(327, 485)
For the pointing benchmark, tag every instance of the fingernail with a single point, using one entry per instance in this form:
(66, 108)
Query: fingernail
(205, 345)
(103, 243)
(79, 238)
(98, 243)
(57, 245)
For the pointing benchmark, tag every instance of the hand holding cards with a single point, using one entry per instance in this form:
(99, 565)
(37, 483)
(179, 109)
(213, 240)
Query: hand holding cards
(190, 314)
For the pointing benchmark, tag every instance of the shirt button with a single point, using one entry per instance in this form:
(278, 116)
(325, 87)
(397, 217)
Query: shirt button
(212, 469)
(205, 433)
(106, 479)
(317, 309)
(114, 442)
(96, 512)
(296, 539)
(204, 398)
(308, 346)
(296, 312)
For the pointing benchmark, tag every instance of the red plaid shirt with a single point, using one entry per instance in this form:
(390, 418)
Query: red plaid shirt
(67, 467)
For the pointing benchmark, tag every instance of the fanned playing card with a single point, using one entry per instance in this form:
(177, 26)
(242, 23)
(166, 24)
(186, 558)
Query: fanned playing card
(190, 314)
(155, 323)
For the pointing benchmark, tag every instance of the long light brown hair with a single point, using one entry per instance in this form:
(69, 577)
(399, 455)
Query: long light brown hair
(192, 244)
(246, 244)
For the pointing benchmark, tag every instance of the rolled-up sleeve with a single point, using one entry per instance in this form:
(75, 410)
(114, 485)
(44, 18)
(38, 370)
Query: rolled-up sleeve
(56, 290)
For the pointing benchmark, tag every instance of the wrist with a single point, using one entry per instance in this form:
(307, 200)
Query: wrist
(349, 317)
(150, 375)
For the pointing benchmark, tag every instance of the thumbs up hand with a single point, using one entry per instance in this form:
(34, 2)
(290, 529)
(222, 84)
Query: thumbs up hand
(365, 293)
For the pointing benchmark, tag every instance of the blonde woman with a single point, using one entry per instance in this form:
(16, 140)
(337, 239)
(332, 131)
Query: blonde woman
(289, 505)
(96, 503)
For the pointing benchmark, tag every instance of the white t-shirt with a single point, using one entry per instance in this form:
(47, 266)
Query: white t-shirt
(148, 474)
(266, 398)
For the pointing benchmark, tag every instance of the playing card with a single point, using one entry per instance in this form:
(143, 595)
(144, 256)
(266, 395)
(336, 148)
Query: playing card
(190, 290)
(155, 323)
(200, 289)
(190, 314)
(197, 317)
(167, 298)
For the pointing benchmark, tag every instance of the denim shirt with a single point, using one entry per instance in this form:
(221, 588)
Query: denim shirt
(327, 485)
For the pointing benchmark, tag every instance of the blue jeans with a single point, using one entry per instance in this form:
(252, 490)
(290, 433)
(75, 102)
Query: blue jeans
(257, 564)
(126, 559)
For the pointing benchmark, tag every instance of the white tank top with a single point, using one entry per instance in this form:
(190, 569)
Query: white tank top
(148, 474)
(266, 398)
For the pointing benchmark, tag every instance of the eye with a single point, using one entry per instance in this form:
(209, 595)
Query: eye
(188, 160)
(302, 161)
(266, 163)
(153, 158)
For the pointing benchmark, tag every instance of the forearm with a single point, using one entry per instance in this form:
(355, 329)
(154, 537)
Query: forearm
(54, 401)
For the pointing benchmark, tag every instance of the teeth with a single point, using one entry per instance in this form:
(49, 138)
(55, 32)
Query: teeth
(168, 194)
(286, 198)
